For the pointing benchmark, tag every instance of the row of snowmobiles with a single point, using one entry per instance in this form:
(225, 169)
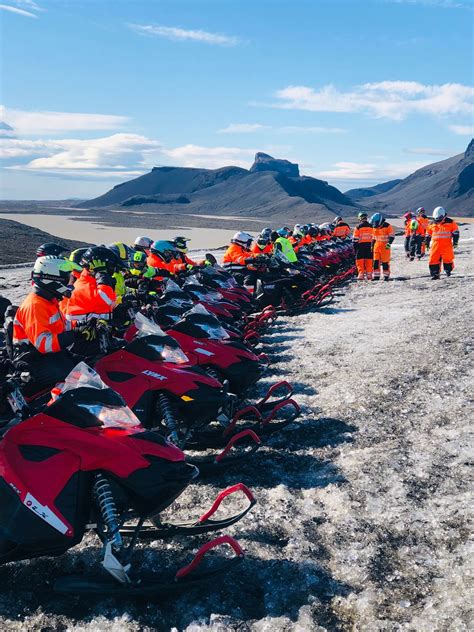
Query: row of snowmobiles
(163, 401)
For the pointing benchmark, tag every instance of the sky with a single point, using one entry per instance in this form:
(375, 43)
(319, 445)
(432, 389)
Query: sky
(356, 92)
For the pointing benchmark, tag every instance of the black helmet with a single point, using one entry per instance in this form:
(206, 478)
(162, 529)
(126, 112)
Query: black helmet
(313, 231)
(100, 259)
(181, 243)
(51, 249)
(76, 255)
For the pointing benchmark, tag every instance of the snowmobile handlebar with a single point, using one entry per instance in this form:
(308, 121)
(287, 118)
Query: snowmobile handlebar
(223, 539)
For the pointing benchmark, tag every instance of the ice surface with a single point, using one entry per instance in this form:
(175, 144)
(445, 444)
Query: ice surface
(362, 521)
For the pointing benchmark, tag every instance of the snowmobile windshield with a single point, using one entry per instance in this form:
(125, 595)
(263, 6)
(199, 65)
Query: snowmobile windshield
(146, 327)
(82, 376)
(206, 322)
(220, 277)
(163, 345)
(111, 416)
(175, 355)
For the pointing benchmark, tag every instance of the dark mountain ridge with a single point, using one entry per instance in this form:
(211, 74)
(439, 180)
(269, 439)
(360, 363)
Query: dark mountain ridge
(448, 183)
(270, 187)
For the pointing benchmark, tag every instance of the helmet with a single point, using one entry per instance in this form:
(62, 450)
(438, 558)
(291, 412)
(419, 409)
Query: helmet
(313, 231)
(50, 249)
(123, 253)
(282, 232)
(297, 232)
(439, 213)
(420, 211)
(52, 274)
(362, 215)
(76, 256)
(242, 239)
(408, 215)
(377, 220)
(305, 228)
(166, 250)
(413, 224)
(142, 243)
(266, 232)
(138, 260)
(262, 241)
(337, 219)
(180, 243)
(101, 259)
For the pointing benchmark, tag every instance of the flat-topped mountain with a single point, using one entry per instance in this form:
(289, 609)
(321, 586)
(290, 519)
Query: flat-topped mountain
(271, 187)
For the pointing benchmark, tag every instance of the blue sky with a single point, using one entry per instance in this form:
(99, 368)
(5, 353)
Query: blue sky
(356, 92)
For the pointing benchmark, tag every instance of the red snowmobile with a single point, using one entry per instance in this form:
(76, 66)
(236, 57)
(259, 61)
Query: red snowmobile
(86, 463)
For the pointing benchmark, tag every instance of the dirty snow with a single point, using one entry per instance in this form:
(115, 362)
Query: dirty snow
(364, 504)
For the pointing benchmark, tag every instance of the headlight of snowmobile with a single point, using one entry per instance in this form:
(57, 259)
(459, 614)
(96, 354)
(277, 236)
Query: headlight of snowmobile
(173, 354)
(112, 416)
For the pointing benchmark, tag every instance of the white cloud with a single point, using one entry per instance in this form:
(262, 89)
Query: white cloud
(116, 152)
(444, 4)
(250, 128)
(45, 122)
(242, 128)
(462, 130)
(387, 99)
(179, 34)
(428, 151)
(312, 129)
(7, 7)
(210, 157)
(369, 172)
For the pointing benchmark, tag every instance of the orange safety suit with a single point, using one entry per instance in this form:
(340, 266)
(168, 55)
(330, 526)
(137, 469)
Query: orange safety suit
(235, 257)
(443, 236)
(362, 239)
(423, 222)
(304, 241)
(341, 230)
(256, 250)
(382, 237)
(92, 297)
(39, 321)
(170, 268)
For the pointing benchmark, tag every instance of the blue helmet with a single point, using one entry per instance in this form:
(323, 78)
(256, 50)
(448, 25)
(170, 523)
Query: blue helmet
(282, 232)
(377, 220)
(166, 250)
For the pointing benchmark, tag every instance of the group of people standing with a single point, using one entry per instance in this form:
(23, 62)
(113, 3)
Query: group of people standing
(373, 239)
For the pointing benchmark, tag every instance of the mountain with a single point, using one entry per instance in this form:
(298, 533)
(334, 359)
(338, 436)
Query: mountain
(357, 194)
(271, 187)
(448, 183)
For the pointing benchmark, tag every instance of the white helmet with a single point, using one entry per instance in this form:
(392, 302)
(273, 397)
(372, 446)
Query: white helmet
(439, 213)
(242, 239)
(52, 274)
(143, 242)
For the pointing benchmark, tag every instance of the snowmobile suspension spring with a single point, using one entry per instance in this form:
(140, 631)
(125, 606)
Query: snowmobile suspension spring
(168, 416)
(105, 500)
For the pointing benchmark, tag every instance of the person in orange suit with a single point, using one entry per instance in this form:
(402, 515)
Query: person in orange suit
(42, 338)
(407, 217)
(239, 256)
(383, 236)
(362, 239)
(443, 235)
(416, 235)
(94, 293)
(341, 229)
(423, 221)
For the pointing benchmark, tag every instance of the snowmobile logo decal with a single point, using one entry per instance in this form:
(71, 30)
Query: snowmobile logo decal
(45, 513)
(204, 352)
(157, 376)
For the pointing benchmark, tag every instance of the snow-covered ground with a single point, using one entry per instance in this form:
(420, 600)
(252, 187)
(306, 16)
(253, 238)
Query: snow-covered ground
(363, 511)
